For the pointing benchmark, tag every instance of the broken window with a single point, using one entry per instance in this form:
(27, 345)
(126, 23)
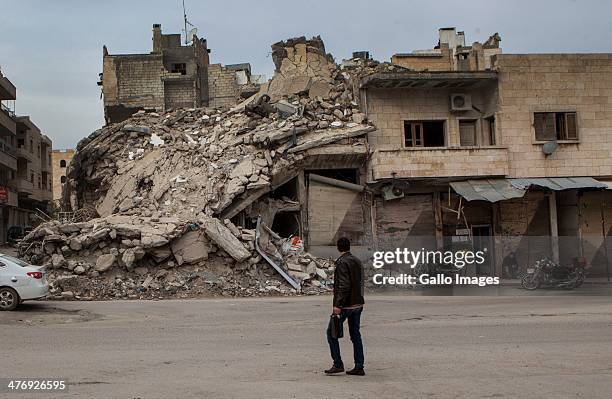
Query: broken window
(555, 126)
(63, 179)
(62, 163)
(467, 133)
(179, 68)
(424, 134)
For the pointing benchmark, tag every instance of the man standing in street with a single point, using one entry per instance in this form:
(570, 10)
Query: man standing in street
(348, 304)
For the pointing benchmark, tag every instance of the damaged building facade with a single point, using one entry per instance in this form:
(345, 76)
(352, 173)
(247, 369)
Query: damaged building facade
(507, 152)
(511, 150)
(172, 76)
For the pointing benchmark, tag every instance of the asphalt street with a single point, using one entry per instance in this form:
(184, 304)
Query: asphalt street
(416, 347)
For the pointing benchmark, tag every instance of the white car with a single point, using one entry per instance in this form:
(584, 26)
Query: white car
(20, 281)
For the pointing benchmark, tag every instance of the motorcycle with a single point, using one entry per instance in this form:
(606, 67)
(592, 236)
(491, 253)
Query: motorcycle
(546, 273)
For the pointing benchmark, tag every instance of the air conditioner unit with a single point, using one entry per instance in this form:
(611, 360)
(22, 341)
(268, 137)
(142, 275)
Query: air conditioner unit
(461, 102)
(392, 192)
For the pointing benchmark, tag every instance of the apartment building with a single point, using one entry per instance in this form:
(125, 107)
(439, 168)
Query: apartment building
(60, 160)
(34, 179)
(512, 152)
(25, 168)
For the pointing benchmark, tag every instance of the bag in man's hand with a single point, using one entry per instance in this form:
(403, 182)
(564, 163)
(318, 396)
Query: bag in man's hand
(336, 326)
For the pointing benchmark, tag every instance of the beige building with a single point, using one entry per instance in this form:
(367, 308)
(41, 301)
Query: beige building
(60, 159)
(25, 165)
(510, 151)
(34, 179)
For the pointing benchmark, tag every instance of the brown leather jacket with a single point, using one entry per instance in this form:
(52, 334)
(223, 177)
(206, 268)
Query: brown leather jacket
(348, 281)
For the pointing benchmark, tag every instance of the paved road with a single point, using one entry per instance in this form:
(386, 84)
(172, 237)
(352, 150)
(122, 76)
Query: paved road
(416, 347)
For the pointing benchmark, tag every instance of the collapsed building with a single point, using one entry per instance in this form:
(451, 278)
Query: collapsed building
(213, 189)
(507, 151)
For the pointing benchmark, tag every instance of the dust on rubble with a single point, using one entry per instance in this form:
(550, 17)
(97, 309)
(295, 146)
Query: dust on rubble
(164, 186)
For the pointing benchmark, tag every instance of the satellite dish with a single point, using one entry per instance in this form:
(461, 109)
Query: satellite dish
(191, 34)
(550, 147)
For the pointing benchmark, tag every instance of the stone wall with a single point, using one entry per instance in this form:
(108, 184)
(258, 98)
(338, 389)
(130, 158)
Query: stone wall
(222, 86)
(580, 83)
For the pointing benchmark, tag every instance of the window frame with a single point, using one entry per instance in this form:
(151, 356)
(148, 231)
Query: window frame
(556, 113)
(421, 122)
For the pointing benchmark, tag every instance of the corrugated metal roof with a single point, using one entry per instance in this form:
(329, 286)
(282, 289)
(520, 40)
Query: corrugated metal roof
(491, 190)
(558, 183)
(494, 190)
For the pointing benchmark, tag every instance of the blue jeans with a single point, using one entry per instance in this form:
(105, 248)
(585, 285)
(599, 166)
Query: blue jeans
(354, 320)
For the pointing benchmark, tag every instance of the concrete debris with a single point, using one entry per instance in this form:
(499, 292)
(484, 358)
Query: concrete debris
(165, 186)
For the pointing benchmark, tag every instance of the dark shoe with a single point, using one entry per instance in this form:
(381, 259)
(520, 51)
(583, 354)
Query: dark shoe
(356, 372)
(335, 370)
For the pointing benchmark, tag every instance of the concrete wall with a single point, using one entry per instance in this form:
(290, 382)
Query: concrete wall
(223, 88)
(134, 81)
(389, 108)
(430, 62)
(58, 170)
(556, 82)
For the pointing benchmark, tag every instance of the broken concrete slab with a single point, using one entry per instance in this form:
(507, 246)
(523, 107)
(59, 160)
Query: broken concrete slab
(216, 231)
(192, 247)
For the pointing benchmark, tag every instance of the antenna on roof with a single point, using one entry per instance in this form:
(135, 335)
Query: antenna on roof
(188, 34)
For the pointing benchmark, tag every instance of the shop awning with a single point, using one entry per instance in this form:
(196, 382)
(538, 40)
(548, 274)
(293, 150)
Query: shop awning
(491, 190)
(558, 183)
(494, 190)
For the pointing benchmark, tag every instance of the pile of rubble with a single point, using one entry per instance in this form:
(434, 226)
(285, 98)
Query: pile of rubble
(164, 187)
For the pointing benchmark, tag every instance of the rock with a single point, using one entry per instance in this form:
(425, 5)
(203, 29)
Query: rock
(58, 261)
(359, 117)
(49, 248)
(141, 271)
(295, 267)
(75, 244)
(300, 276)
(153, 240)
(159, 254)
(129, 257)
(192, 247)
(79, 270)
(216, 231)
(137, 129)
(67, 294)
(105, 262)
(321, 274)
(311, 269)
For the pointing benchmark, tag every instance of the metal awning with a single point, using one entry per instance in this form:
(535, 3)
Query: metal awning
(491, 190)
(494, 190)
(608, 183)
(558, 183)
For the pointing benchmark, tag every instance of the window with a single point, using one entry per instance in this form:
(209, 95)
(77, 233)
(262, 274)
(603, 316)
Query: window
(63, 179)
(179, 68)
(424, 134)
(555, 125)
(467, 133)
(20, 143)
(62, 163)
(489, 131)
(32, 178)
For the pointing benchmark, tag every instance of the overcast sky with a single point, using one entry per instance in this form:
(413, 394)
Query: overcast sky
(52, 50)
